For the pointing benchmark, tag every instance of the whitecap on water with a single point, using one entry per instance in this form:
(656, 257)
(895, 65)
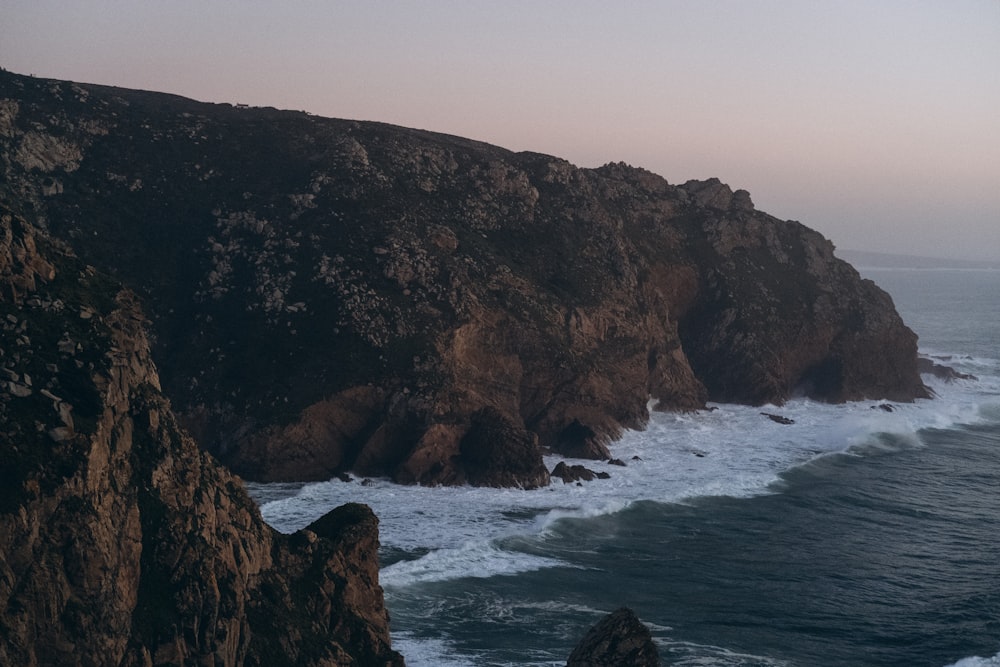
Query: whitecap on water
(478, 559)
(978, 662)
(424, 651)
(686, 654)
(442, 533)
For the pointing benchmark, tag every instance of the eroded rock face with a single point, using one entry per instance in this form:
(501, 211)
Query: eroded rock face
(330, 295)
(617, 640)
(121, 543)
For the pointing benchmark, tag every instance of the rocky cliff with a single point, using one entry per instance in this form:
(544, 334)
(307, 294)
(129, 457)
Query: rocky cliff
(121, 543)
(329, 295)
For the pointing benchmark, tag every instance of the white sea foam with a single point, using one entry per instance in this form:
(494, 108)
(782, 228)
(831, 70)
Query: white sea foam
(423, 652)
(976, 661)
(435, 534)
(478, 559)
(731, 450)
(686, 654)
(438, 534)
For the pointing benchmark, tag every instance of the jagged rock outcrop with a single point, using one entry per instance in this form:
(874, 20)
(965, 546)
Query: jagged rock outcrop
(121, 543)
(928, 366)
(328, 295)
(617, 640)
(576, 473)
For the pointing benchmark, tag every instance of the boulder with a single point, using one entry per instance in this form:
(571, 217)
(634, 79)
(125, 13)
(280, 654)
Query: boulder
(495, 452)
(618, 640)
(576, 473)
(778, 419)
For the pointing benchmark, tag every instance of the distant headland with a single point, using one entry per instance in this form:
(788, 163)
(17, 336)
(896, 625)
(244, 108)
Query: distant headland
(865, 259)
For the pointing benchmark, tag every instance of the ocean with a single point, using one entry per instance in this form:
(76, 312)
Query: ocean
(855, 536)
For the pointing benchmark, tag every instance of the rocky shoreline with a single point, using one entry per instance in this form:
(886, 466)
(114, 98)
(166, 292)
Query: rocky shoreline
(300, 297)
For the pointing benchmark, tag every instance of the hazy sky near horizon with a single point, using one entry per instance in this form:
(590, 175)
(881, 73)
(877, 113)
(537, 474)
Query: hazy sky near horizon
(874, 122)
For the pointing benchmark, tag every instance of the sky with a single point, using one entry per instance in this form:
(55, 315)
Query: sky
(876, 122)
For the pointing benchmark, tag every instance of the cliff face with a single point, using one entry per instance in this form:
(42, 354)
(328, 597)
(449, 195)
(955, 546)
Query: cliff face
(329, 295)
(120, 542)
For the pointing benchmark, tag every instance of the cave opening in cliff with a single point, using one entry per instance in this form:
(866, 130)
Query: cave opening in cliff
(823, 380)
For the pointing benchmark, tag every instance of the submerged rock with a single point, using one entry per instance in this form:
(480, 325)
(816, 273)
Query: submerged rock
(576, 473)
(947, 373)
(780, 419)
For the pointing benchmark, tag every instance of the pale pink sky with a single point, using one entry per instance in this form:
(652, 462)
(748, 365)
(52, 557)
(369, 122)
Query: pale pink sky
(875, 122)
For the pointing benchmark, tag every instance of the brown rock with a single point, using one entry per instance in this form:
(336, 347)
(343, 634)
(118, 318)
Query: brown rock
(579, 441)
(422, 278)
(434, 459)
(121, 543)
(325, 438)
(495, 452)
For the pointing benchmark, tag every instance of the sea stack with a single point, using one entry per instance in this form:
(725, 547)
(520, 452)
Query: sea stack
(617, 640)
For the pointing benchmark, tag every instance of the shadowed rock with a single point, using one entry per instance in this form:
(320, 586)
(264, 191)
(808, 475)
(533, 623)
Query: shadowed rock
(941, 371)
(576, 473)
(618, 640)
(330, 295)
(497, 453)
(778, 419)
(121, 543)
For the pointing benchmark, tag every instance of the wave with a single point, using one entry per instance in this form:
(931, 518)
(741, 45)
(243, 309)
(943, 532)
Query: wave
(423, 651)
(481, 559)
(687, 654)
(437, 534)
(985, 374)
(948, 359)
(976, 661)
